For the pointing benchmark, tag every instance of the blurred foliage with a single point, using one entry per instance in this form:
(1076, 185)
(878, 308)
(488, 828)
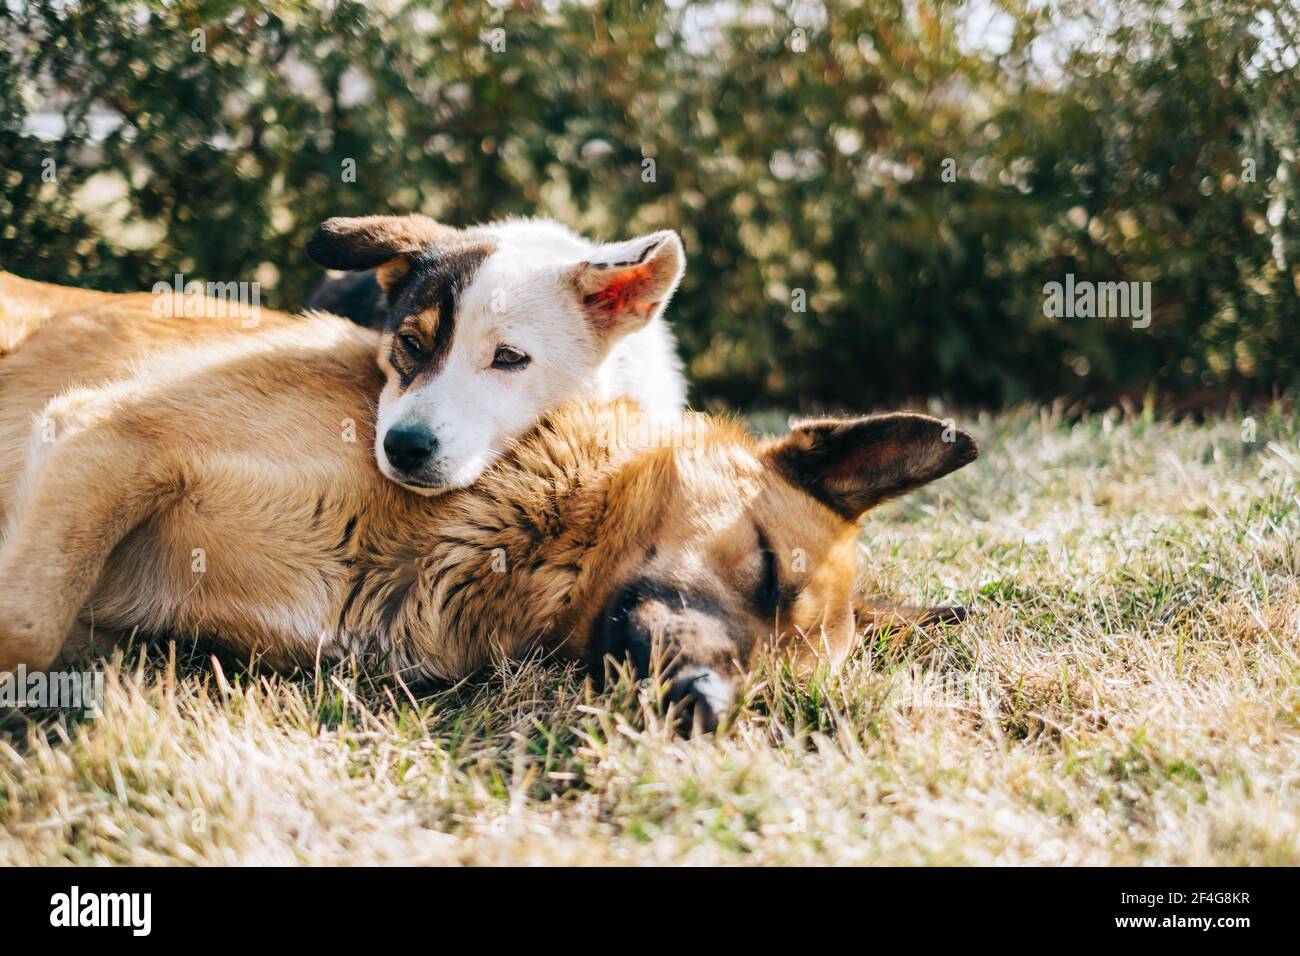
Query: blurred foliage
(796, 146)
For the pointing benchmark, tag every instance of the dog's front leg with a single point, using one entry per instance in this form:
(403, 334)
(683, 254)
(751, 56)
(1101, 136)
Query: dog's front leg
(81, 494)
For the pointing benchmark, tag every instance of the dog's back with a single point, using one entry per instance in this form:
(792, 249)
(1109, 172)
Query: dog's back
(25, 304)
(55, 338)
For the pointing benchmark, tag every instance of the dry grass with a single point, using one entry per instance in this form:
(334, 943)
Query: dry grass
(1128, 692)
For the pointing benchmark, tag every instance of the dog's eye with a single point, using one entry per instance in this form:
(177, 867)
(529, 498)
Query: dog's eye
(511, 358)
(413, 346)
(768, 593)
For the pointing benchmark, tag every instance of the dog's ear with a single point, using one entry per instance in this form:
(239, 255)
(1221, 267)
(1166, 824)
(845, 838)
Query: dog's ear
(367, 242)
(625, 284)
(854, 464)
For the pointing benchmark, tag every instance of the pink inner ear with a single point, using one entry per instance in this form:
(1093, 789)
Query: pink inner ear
(875, 457)
(622, 295)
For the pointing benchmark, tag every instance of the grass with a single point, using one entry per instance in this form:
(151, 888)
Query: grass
(1128, 691)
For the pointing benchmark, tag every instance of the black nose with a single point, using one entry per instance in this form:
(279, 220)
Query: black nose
(702, 697)
(409, 449)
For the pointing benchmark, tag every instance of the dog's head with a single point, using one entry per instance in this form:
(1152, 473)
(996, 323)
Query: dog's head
(489, 328)
(754, 544)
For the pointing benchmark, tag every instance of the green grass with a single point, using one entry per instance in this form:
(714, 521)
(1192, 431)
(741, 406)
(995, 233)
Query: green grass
(1127, 691)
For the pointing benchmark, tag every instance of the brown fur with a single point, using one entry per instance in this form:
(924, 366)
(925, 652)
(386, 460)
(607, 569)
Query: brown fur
(190, 477)
(25, 304)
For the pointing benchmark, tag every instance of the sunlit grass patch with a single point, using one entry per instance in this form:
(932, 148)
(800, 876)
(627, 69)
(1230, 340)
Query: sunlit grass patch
(1126, 691)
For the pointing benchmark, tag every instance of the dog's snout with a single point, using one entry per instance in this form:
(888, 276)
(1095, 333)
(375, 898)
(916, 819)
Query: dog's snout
(682, 640)
(409, 449)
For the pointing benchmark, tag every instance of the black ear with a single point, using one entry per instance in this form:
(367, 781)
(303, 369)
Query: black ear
(854, 464)
(364, 242)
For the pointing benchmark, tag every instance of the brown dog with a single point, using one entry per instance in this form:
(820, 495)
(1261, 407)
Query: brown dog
(192, 477)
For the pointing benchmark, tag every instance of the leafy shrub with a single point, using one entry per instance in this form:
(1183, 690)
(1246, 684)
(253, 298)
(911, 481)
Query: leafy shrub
(873, 196)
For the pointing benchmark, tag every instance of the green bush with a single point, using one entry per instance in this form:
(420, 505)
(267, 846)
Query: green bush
(912, 186)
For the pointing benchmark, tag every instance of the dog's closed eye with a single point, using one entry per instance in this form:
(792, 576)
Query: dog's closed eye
(767, 595)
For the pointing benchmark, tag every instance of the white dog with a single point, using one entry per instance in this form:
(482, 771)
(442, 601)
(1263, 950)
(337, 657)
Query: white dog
(488, 328)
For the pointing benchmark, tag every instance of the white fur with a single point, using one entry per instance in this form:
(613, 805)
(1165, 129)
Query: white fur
(522, 296)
